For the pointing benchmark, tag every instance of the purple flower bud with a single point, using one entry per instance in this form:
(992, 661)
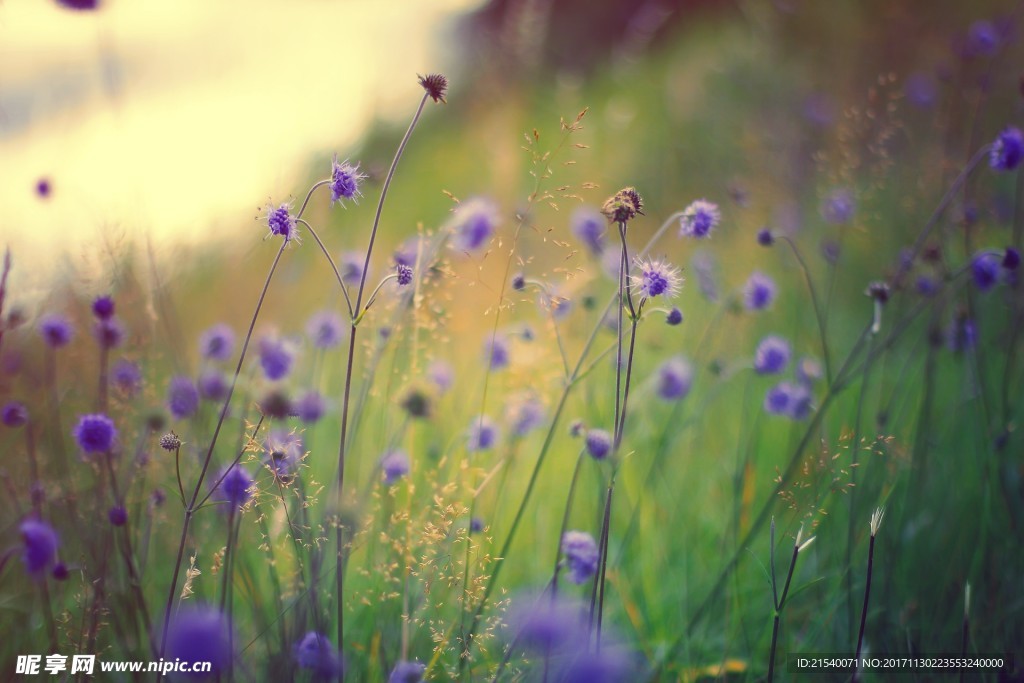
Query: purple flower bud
(281, 221)
(475, 221)
(407, 672)
(117, 515)
(213, 385)
(985, 271)
(441, 374)
(1011, 259)
(581, 555)
(310, 407)
(103, 307)
(1007, 150)
(599, 443)
(497, 351)
(126, 376)
(109, 332)
(316, 653)
(276, 358)
(345, 180)
(39, 545)
(217, 343)
(200, 634)
(403, 274)
(394, 465)
(95, 433)
(838, 206)
(765, 237)
(482, 434)
(759, 292)
(56, 330)
(772, 355)
(588, 225)
(235, 488)
(674, 317)
(182, 397)
(14, 414)
(674, 378)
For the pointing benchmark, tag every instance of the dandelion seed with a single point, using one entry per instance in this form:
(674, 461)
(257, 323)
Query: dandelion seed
(310, 407)
(598, 443)
(985, 271)
(345, 180)
(200, 634)
(394, 465)
(772, 355)
(407, 672)
(14, 414)
(56, 330)
(436, 86)
(699, 219)
(95, 433)
(759, 292)
(103, 307)
(281, 221)
(1007, 150)
(213, 385)
(656, 278)
(475, 222)
(182, 397)
(838, 206)
(482, 434)
(674, 379)
(581, 555)
(588, 226)
(40, 543)
(235, 488)
(117, 515)
(217, 343)
(316, 653)
(276, 357)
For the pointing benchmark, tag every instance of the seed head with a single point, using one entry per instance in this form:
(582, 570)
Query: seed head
(436, 86)
(876, 520)
(623, 206)
(879, 291)
(170, 442)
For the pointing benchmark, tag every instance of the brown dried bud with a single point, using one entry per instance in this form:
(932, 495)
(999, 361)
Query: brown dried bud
(624, 206)
(436, 86)
(879, 291)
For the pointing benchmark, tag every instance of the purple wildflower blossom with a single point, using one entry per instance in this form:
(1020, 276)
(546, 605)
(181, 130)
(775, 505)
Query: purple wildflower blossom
(394, 465)
(674, 378)
(772, 355)
(95, 433)
(581, 555)
(699, 219)
(40, 543)
(345, 180)
(182, 397)
(56, 330)
(759, 292)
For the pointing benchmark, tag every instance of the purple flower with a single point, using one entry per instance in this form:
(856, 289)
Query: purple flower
(545, 625)
(1011, 259)
(982, 39)
(476, 525)
(281, 221)
(14, 414)
(772, 355)
(482, 434)
(788, 400)
(926, 286)
(316, 653)
(324, 329)
(403, 274)
(284, 454)
(109, 332)
(674, 378)
(182, 397)
(95, 433)
(921, 90)
(588, 225)
(699, 219)
(759, 292)
(406, 252)
(344, 181)
(117, 515)
(985, 270)
(40, 545)
(394, 465)
(1007, 150)
(217, 343)
(765, 237)
(674, 317)
(441, 374)
(234, 489)
(581, 555)
(200, 634)
(407, 672)
(60, 572)
(80, 5)
(43, 185)
(276, 357)
(350, 266)
(103, 307)
(610, 665)
(838, 206)
(525, 413)
(310, 407)
(126, 376)
(496, 351)
(599, 443)
(213, 385)
(56, 330)
(656, 278)
(475, 221)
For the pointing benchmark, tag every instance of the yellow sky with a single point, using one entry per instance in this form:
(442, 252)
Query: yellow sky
(176, 118)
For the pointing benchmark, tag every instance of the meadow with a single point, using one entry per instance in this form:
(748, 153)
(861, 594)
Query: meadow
(664, 372)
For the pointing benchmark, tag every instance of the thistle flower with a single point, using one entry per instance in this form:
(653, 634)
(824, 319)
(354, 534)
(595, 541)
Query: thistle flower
(403, 274)
(674, 317)
(772, 355)
(525, 413)
(436, 86)
(656, 278)
(838, 206)
(316, 653)
(598, 443)
(581, 555)
(324, 329)
(496, 350)
(588, 226)
(1007, 150)
(95, 433)
(126, 376)
(40, 543)
(217, 343)
(56, 330)
(109, 332)
(276, 357)
(235, 487)
(170, 442)
(623, 206)
(475, 221)
(213, 385)
(281, 221)
(182, 397)
(200, 634)
(14, 414)
(310, 407)
(759, 292)
(103, 307)
(394, 465)
(117, 515)
(407, 672)
(482, 434)
(674, 378)
(699, 219)
(985, 271)
(345, 180)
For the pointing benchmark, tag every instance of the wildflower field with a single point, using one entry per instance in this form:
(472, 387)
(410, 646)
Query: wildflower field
(671, 367)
